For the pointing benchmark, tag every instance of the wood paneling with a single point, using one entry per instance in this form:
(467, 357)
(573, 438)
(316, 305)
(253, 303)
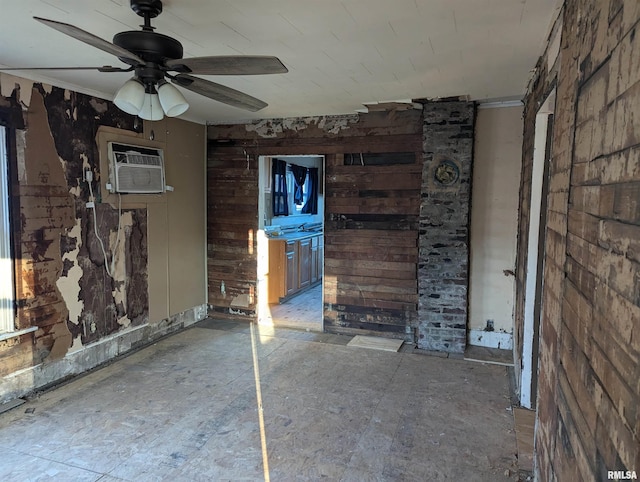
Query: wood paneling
(588, 388)
(371, 214)
(232, 221)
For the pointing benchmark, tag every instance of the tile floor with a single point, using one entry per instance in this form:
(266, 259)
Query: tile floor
(303, 311)
(185, 409)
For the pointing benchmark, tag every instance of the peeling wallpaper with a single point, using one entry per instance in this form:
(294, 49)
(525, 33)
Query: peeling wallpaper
(71, 315)
(11, 85)
(63, 288)
(271, 128)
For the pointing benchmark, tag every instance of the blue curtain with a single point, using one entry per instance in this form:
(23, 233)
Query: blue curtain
(279, 190)
(311, 206)
(299, 176)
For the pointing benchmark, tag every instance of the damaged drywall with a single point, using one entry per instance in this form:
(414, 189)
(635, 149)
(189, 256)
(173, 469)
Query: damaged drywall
(71, 315)
(58, 259)
(105, 298)
(241, 301)
(119, 266)
(21, 143)
(271, 128)
(11, 85)
(111, 302)
(69, 281)
(45, 210)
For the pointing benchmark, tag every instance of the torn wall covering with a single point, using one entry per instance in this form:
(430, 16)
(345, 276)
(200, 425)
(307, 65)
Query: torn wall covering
(327, 125)
(62, 287)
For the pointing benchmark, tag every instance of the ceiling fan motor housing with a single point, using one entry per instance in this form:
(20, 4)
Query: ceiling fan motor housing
(152, 8)
(154, 48)
(149, 45)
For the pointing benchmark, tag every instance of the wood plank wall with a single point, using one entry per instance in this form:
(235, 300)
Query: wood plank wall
(370, 212)
(589, 362)
(232, 220)
(371, 250)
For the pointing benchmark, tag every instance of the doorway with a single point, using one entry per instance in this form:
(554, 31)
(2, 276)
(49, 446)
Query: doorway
(291, 241)
(534, 280)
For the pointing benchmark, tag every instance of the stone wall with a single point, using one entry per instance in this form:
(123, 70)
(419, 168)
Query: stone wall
(443, 271)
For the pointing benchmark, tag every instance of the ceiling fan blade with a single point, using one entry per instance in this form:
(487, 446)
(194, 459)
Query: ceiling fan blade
(219, 92)
(94, 41)
(229, 65)
(104, 68)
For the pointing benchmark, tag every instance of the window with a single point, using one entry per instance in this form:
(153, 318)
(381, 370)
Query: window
(6, 261)
(302, 184)
(300, 200)
(294, 187)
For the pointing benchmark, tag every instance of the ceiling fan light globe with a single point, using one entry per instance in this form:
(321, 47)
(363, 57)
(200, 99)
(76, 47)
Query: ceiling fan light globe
(172, 101)
(130, 97)
(151, 108)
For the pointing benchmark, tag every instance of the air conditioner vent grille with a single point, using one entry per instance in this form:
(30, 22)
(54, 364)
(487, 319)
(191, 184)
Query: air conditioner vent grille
(133, 179)
(136, 170)
(131, 157)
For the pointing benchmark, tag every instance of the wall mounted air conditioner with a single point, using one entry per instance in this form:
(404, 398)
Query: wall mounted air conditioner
(136, 169)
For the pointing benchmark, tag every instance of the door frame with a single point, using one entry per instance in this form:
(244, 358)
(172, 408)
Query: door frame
(264, 185)
(534, 278)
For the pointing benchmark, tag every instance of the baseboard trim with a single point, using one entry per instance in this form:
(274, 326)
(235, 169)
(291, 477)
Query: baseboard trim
(491, 339)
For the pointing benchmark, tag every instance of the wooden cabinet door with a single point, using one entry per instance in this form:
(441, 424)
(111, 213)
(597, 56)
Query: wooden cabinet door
(277, 273)
(320, 256)
(291, 255)
(314, 259)
(304, 260)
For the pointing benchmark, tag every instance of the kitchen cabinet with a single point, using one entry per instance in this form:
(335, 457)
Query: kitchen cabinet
(317, 257)
(292, 258)
(295, 264)
(304, 263)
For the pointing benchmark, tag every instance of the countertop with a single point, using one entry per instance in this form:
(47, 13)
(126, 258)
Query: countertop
(296, 236)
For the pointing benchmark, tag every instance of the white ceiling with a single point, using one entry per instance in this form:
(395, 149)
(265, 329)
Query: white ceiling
(340, 53)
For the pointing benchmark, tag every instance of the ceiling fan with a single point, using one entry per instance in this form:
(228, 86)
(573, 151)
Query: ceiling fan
(153, 56)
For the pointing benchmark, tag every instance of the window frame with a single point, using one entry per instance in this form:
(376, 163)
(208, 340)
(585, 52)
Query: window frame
(7, 269)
